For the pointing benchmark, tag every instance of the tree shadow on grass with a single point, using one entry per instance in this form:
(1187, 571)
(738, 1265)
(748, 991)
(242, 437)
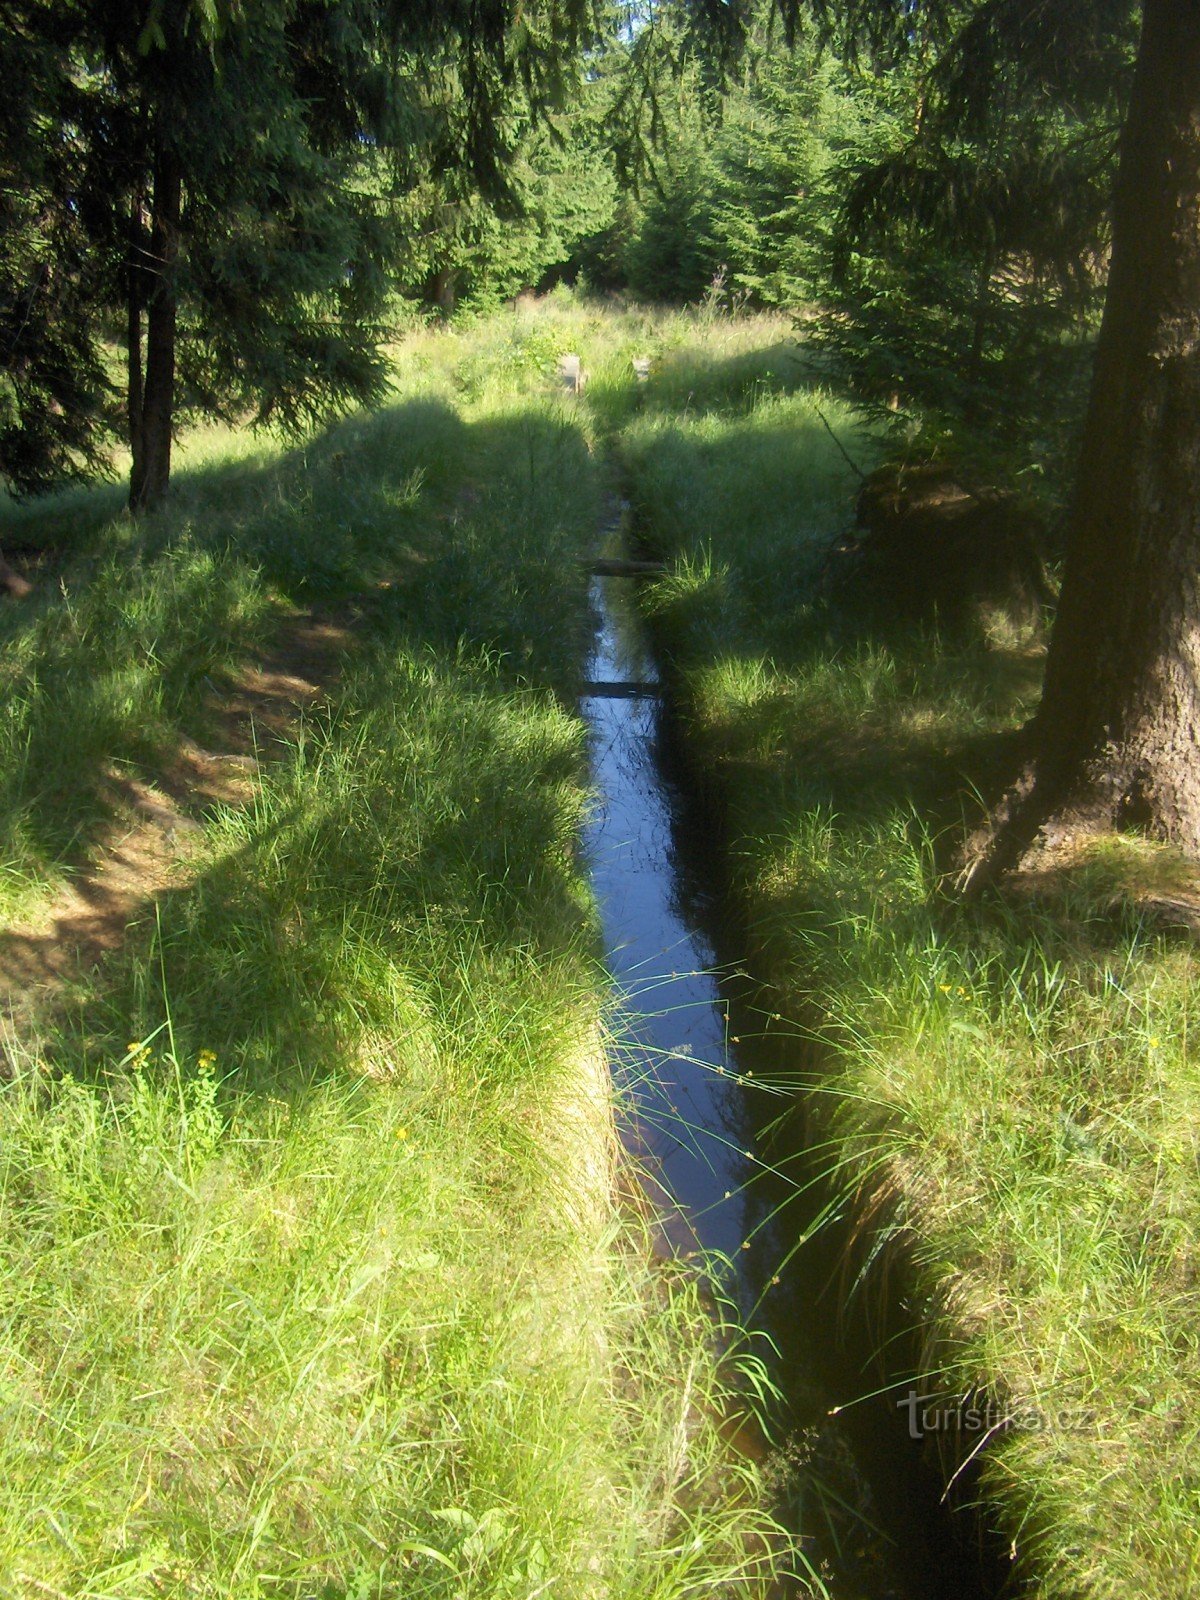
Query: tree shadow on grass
(820, 706)
(697, 382)
(421, 832)
(691, 382)
(751, 501)
(112, 663)
(397, 879)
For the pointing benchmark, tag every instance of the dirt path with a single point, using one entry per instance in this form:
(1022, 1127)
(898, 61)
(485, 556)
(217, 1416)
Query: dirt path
(155, 838)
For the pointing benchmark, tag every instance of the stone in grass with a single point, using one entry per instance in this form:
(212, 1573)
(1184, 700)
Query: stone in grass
(11, 581)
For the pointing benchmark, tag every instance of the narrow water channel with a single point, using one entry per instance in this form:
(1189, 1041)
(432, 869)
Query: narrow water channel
(697, 1067)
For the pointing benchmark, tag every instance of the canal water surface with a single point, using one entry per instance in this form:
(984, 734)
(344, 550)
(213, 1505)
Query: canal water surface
(700, 1065)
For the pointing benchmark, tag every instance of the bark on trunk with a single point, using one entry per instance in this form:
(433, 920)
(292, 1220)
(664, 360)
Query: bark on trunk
(1115, 740)
(135, 268)
(151, 474)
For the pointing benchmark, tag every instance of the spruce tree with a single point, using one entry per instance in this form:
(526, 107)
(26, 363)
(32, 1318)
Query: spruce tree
(460, 245)
(214, 166)
(1115, 742)
(55, 394)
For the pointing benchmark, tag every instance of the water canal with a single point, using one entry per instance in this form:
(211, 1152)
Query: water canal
(700, 1068)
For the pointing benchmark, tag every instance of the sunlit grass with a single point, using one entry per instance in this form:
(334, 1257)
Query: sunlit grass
(314, 1280)
(1014, 1081)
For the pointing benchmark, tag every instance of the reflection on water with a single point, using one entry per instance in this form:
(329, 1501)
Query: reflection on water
(697, 1065)
(673, 1043)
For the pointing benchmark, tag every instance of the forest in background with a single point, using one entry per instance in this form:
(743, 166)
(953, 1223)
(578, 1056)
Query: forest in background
(948, 280)
(947, 266)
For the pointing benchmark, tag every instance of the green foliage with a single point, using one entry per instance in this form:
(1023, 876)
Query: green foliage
(964, 278)
(779, 126)
(727, 179)
(286, 128)
(662, 102)
(963, 270)
(460, 247)
(669, 258)
(938, 189)
(933, 200)
(54, 386)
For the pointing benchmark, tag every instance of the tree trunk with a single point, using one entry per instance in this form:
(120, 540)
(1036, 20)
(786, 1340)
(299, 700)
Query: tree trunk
(1115, 741)
(134, 278)
(442, 289)
(151, 475)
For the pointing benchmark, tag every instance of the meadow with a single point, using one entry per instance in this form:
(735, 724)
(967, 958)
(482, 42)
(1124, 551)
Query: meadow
(315, 1279)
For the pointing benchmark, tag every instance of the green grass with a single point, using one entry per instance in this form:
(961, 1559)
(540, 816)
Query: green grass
(1013, 1082)
(314, 1283)
(106, 662)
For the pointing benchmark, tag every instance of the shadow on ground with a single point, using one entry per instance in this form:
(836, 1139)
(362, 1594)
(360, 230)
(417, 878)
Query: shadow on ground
(395, 611)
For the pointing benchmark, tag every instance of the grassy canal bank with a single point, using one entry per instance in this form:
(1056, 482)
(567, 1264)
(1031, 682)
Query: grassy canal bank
(314, 1279)
(1007, 1094)
(314, 1282)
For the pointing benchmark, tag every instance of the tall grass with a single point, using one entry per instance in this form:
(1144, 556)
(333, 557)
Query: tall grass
(313, 1279)
(1009, 1089)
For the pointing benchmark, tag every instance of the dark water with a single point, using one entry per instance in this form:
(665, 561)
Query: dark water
(703, 1067)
